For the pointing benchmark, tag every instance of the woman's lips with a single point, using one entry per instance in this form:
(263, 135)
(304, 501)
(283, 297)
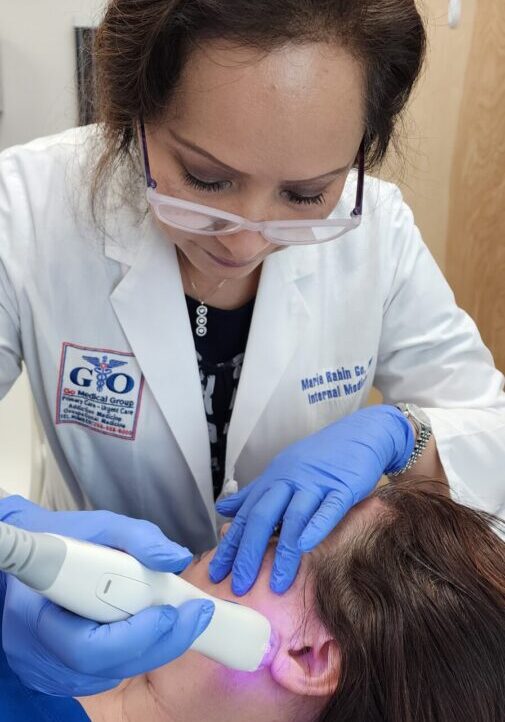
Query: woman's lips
(230, 264)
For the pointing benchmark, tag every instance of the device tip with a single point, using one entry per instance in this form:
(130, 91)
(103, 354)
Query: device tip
(270, 651)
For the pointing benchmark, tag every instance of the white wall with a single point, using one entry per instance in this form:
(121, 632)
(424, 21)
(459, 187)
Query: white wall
(37, 61)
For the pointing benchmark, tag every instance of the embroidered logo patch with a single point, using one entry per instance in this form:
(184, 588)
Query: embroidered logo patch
(99, 389)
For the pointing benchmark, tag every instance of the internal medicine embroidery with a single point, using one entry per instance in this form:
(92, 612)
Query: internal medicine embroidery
(335, 383)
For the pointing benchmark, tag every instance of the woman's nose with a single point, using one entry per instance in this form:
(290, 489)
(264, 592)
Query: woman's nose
(244, 245)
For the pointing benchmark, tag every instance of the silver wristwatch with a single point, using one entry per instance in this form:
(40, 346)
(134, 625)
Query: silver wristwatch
(423, 433)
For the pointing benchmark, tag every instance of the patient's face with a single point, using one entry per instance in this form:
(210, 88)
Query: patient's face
(194, 679)
(283, 611)
(196, 684)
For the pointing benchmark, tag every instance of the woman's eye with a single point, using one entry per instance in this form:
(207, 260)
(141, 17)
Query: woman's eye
(200, 185)
(217, 186)
(306, 200)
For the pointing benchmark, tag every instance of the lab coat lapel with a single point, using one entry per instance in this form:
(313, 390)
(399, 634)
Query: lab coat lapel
(280, 316)
(150, 305)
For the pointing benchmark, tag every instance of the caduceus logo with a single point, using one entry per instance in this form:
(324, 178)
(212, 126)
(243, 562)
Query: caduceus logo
(103, 369)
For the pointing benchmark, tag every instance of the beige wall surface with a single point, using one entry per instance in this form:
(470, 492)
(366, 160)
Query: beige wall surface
(431, 123)
(476, 237)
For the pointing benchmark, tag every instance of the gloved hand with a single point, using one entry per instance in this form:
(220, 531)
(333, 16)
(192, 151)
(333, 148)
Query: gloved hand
(3, 589)
(309, 486)
(59, 653)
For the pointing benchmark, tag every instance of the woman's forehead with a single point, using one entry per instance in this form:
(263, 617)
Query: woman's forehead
(297, 111)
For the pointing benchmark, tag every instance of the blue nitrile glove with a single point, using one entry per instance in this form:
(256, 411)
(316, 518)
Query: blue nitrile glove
(3, 588)
(310, 487)
(59, 653)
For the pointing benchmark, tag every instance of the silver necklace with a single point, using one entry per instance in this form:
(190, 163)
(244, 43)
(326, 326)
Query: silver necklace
(202, 310)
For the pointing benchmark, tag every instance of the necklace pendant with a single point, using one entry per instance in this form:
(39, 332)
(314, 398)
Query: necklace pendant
(201, 320)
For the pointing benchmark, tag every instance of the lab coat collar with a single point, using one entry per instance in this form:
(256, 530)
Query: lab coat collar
(281, 316)
(162, 341)
(151, 308)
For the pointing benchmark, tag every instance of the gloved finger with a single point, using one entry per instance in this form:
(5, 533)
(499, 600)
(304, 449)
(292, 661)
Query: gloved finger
(288, 554)
(140, 538)
(333, 509)
(223, 559)
(44, 677)
(145, 541)
(15, 507)
(261, 521)
(190, 622)
(109, 650)
(27, 656)
(231, 504)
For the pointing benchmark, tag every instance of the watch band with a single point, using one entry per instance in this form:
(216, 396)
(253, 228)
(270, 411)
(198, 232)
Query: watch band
(424, 433)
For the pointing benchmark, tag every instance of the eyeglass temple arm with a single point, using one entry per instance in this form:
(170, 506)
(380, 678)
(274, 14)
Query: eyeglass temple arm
(358, 210)
(151, 183)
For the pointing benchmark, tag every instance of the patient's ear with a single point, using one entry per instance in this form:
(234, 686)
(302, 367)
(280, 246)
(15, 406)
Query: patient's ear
(310, 667)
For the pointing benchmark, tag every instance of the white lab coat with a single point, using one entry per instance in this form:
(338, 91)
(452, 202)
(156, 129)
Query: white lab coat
(329, 322)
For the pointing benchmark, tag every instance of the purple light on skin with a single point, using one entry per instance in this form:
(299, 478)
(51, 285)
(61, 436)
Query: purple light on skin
(271, 648)
(259, 681)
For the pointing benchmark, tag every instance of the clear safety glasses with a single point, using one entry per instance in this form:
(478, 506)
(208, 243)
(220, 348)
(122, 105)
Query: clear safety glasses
(206, 221)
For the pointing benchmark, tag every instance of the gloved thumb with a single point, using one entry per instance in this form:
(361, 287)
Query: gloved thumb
(144, 641)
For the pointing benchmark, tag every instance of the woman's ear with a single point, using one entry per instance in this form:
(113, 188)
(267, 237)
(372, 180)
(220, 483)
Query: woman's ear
(309, 669)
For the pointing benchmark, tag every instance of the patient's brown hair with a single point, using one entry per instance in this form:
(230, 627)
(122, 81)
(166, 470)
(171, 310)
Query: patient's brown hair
(417, 604)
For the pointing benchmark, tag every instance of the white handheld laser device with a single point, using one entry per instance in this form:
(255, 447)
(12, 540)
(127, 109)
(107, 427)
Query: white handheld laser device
(106, 585)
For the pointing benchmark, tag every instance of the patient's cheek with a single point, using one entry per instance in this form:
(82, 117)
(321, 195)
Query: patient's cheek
(282, 610)
(198, 574)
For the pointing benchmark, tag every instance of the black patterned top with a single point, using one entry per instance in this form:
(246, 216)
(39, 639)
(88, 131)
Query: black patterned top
(220, 356)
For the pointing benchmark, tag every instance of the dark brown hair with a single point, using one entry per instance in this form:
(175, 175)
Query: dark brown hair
(417, 604)
(142, 45)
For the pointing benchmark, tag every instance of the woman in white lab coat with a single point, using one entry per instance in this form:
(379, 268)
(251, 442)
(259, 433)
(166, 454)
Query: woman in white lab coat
(124, 310)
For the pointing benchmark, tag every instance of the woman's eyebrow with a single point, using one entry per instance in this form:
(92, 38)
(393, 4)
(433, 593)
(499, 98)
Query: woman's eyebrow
(234, 171)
